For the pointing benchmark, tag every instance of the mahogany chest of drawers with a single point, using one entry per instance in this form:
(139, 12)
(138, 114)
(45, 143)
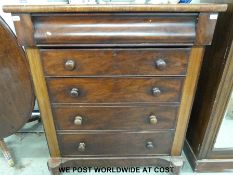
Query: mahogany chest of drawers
(115, 83)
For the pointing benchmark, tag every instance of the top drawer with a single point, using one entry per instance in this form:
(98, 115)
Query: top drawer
(118, 28)
(115, 62)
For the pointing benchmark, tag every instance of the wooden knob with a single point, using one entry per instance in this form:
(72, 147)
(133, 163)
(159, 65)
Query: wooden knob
(153, 119)
(74, 92)
(69, 65)
(149, 145)
(160, 64)
(81, 147)
(156, 91)
(78, 120)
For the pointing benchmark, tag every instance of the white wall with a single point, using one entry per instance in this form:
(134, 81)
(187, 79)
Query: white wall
(7, 16)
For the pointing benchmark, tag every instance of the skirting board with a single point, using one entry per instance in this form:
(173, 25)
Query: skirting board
(207, 165)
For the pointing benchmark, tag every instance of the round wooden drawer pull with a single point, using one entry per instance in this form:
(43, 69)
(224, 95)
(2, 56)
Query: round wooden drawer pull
(149, 145)
(160, 64)
(156, 91)
(69, 65)
(74, 92)
(81, 147)
(78, 120)
(153, 119)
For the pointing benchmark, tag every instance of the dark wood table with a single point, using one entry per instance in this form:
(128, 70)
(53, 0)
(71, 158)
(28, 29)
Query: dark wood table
(16, 90)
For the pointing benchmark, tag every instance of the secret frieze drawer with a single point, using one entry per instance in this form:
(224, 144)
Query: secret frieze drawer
(115, 90)
(118, 28)
(154, 28)
(120, 144)
(117, 118)
(110, 62)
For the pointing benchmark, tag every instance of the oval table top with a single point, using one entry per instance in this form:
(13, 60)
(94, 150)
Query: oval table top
(16, 89)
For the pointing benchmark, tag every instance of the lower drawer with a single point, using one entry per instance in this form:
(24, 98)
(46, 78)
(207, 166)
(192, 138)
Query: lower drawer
(131, 117)
(125, 143)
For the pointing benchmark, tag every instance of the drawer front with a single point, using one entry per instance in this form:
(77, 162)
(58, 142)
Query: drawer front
(152, 143)
(109, 62)
(135, 118)
(118, 28)
(114, 90)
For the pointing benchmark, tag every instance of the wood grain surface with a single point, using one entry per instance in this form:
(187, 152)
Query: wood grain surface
(16, 89)
(116, 28)
(118, 118)
(125, 143)
(114, 62)
(43, 100)
(114, 90)
(116, 8)
(113, 83)
(189, 90)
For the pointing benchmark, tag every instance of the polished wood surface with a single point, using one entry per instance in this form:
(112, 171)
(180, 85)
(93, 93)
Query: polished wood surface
(114, 28)
(205, 28)
(116, 8)
(114, 90)
(114, 62)
(24, 30)
(205, 103)
(43, 100)
(210, 165)
(16, 89)
(215, 165)
(121, 118)
(127, 143)
(187, 98)
(214, 88)
(100, 66)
